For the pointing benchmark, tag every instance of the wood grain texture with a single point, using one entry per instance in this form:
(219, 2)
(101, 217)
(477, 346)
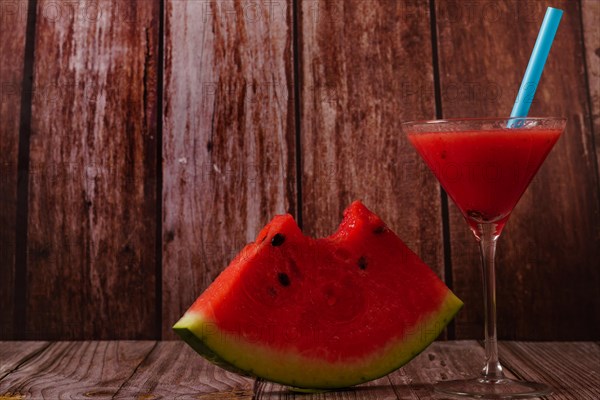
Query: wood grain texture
(590, 13)
(365, 67)
(379, 389)
(548, 253)
(572, 369)
(174, 371)
(229, 137)
(439, 362)
(161, 370)
(12, 354)
(76, 370)
(92, 205)
(12, 51)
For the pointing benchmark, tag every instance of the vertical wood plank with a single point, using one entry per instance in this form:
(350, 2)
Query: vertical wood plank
(366, 66)
(91, 262)
(76, 370)
(13, 26)
(174, 371)
(590, 12)
(547, 255)
(229, 137)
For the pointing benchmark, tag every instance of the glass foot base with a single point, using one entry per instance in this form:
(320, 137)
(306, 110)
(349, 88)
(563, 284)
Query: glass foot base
(497, 389)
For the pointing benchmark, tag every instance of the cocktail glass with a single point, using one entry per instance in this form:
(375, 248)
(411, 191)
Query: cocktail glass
(485, 167)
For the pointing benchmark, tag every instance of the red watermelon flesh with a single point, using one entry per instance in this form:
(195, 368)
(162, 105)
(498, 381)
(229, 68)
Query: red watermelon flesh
(320, 313)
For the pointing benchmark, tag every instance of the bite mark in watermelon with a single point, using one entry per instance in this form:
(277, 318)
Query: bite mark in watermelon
(320, 313)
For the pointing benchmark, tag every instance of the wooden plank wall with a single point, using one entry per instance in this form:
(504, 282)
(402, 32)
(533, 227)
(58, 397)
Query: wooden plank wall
(89, 261)
(158, 136)
(12, 51)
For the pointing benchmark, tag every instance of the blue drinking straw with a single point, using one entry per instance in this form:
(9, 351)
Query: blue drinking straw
(533, 73)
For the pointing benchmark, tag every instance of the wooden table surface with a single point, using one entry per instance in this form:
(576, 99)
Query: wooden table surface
(171, 370)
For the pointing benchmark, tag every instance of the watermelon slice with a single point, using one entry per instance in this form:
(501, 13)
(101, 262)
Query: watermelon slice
(320, 313)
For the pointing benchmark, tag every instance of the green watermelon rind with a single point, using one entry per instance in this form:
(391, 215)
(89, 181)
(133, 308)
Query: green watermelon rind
(201, 348)
(250, 359)
(205, 351)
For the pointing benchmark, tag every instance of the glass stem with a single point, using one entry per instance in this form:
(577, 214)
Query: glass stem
(492, 371)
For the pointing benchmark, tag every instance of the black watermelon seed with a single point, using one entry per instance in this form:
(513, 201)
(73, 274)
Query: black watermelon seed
(362, 263)
(284, 279)
(379, 230)
(278, 240)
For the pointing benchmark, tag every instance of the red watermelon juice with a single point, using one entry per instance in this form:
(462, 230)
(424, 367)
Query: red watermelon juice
(485, 172)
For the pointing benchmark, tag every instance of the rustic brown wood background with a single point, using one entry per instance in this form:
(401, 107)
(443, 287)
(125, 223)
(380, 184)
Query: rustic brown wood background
(143, 143)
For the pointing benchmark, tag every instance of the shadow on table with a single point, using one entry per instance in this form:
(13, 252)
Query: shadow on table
(370, 391)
